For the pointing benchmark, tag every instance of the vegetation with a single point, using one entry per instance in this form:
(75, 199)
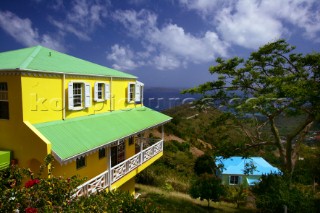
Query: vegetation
(274, 193)
(54, 194)
(273, 82)
(207, 187)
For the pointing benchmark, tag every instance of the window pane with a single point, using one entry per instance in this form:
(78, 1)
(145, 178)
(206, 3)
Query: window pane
(4, 104)
(4, 110)
(102, 153)
(77, 94)
(100, 90)
(81, 162)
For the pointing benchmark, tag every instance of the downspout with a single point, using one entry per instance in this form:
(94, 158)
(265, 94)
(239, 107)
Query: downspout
(63, 97)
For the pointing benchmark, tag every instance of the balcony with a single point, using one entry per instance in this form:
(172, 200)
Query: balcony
(108, 178)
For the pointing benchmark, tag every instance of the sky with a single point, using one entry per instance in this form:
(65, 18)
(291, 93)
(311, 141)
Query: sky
(165, 43)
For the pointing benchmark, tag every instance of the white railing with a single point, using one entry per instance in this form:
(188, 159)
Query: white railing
(102, 181)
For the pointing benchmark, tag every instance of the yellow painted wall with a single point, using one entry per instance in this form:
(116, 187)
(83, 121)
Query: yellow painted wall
(129, 186)
(15, 135)
(130, 149)
(42, 98)
(94, 166)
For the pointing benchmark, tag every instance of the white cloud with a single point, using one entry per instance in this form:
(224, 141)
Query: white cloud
(166, 62)
(204, 7)
(23, 32)
(123, 57)
(251, 23)
(171, 46)
(137, 23)
(83, 18)
(249, 27)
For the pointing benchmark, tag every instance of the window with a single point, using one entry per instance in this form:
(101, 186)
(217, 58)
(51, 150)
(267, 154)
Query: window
(101, 92)
(79, 95)
(234, 180)
(102, 153)
(4, 104)
(81, 162)
(131, 90)
(118, 153)
(131, 140)
(135, 92)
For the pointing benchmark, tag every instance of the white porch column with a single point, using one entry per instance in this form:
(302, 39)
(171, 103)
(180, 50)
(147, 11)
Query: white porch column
(162, 132)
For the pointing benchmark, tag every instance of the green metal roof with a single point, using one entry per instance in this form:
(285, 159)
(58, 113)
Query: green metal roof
(4, 159)
(73, 137)
(42, 59)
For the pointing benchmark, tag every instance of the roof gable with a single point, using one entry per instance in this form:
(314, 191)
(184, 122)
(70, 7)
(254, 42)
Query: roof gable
(43, 59)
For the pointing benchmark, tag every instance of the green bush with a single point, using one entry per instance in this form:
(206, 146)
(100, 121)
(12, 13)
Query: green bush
(274, 192)
(53, 194)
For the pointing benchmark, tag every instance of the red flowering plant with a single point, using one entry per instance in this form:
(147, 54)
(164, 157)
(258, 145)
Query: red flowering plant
(53, 194)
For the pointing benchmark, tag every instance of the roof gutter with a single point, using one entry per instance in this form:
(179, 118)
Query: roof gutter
(51, 72)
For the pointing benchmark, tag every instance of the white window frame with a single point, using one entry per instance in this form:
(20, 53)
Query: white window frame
(85, 96)
(131, 92)
(135, 92)
(233, 178)
(4, 97)
(105, 91)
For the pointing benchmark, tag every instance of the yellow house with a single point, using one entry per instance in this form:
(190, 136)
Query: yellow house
(89, 117)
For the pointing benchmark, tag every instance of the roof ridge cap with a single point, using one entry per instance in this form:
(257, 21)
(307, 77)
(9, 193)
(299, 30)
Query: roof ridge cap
(30, 58)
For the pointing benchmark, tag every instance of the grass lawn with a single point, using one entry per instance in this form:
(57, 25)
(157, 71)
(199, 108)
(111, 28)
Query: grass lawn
(178, 202)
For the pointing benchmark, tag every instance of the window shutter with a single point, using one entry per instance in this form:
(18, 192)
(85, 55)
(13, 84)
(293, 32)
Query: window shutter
(229, 179)
(95, 97)
(87, 101)
(70, 95)
(137, 92)
(240, 180)
(106, 91)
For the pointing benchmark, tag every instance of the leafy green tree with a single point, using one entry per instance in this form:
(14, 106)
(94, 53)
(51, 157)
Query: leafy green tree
(274, 192)
(204, 164)
(272, 84)
(207, 187)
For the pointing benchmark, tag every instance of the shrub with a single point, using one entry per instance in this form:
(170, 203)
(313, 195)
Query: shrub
(274, 192)
(53, 194)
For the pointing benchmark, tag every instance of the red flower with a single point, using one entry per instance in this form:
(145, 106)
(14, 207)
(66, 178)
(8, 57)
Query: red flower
(31, 210)
(30, 183)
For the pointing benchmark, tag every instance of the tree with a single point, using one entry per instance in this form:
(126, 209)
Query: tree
(207, 187)
(204, 164)
(274, 192)
(274, 83)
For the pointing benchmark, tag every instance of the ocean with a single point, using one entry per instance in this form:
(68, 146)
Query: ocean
(161, 99)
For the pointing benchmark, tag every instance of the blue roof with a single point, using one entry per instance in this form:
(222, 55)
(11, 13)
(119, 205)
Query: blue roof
(237, 165)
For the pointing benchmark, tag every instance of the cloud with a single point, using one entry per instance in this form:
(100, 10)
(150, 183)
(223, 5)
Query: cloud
(123, 57)
(83, 18)
(168, 47)
(248, 27)
(136, 23)
(251, 23)
(203, 7)
(23, 32)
